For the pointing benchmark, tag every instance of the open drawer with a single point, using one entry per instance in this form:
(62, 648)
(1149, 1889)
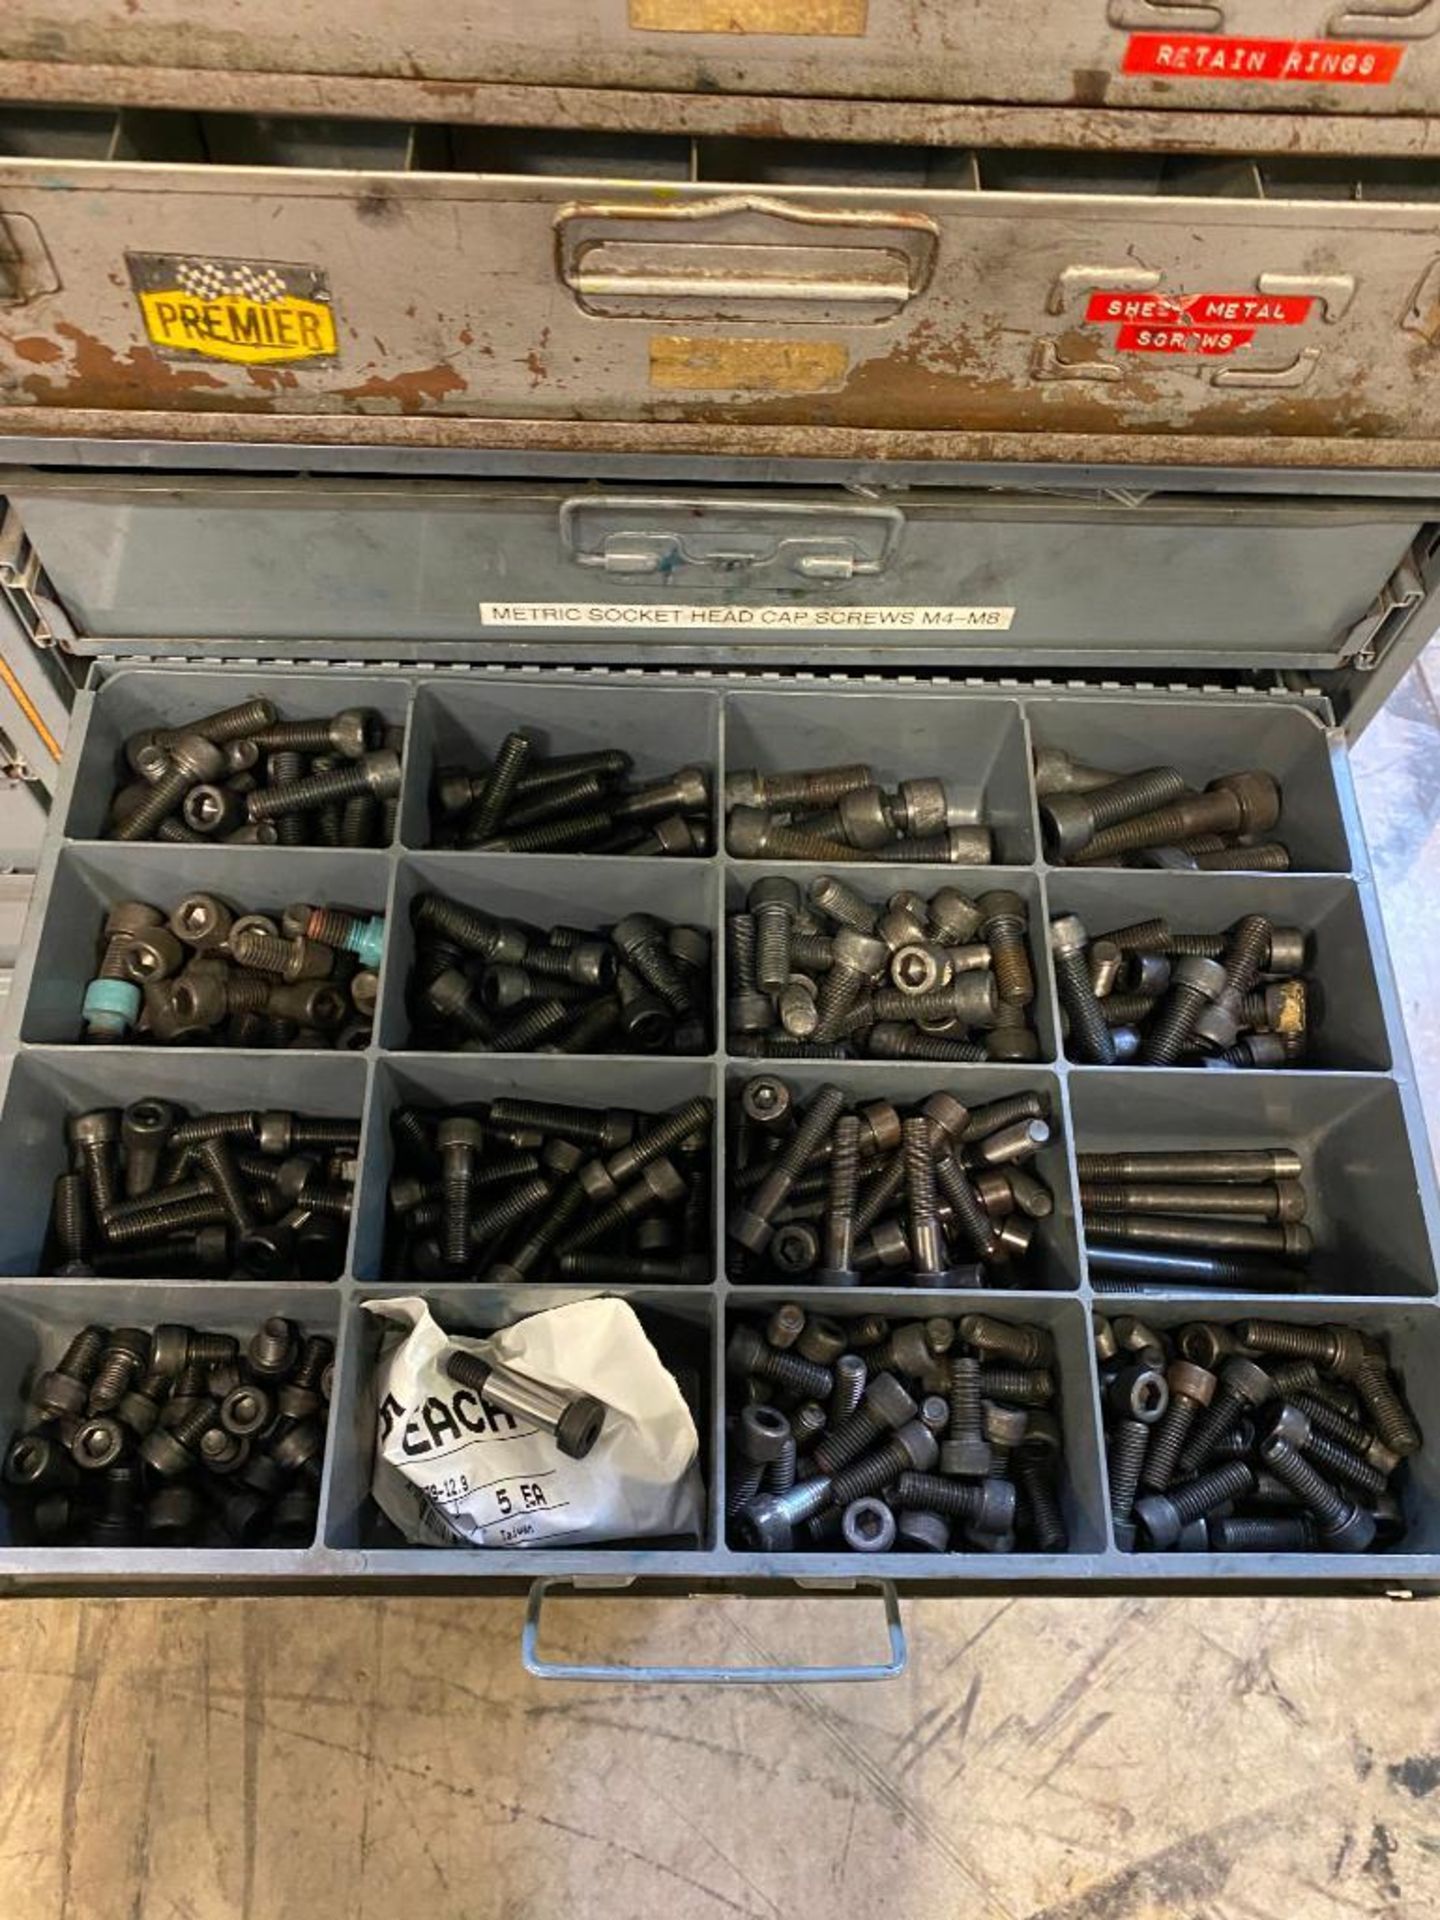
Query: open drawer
(221, 556)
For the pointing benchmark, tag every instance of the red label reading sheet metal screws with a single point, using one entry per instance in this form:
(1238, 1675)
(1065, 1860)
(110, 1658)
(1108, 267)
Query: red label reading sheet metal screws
(1196, 323)
(1213, 56)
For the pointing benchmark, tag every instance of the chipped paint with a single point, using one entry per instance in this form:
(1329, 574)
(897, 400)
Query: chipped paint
(808, 18)
(698, 365)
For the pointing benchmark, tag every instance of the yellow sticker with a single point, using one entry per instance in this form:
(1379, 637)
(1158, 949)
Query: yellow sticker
(747, 366)
(836, 18)
(248, 312)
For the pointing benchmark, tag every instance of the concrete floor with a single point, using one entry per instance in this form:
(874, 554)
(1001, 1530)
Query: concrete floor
(1099, 1759)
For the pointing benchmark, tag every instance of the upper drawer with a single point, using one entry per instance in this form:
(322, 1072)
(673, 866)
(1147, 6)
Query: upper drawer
(1360, 56)
(1008, 292)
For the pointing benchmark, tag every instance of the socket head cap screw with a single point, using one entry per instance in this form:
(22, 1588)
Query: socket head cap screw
(1139, 1393)
(763, 1434)
(1289, 949)
(1157, 1513)
(458, 1130)
(1068, 935)
(1004, 1426)
(773, 890)
(1207, 977)
(100, 1128)
(860, 952)
(868, 1526)
(1352, 1534)
(98, 1443)
(889, 1402)
(922, 1450)
(1251, 1383)
(1195, 1383)
(1289, 1423)
(198, 757)
(763, 1526)
(1259, 797)
(747, 831)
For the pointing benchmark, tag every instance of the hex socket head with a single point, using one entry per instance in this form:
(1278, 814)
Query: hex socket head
(1289, 950)
(773, 890)
(922, 1450)
(1291, 1424)
(794, 1247)
(763, 1434)
(1139, 1393)
(147, 1122)
(947, 1113)
(1206, 977)
(460, 1130)
(747, 831)
(100, 1128)
(860, 952)
(1191, 1382)
(997, 1507)
(1219, 1023)
(888, 1401)
(965, 1459)
(382, 773)
(865, 820)
(353, 731)
(1251, 1383)
(201, 921)
(193, 754)
(1157, 1513)
(1068, 935)
(1000, 904)
(868, 1526)
(1351, 1534)
(764, 1527)
(1258, 794)
(1348, 1350)
(1069, 823)
(1004, 1426)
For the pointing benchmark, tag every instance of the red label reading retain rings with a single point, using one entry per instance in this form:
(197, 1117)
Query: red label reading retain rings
(1212, 56)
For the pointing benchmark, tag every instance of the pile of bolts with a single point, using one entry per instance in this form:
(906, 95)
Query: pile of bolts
(175, 1438)
(519, 1190)
(1259, 1437)
(1230, 1217)
(1146, 993)
(830, 814)
(262, 1196)
(209, 974)
(934, 1436)
(1095, 817)
(529, 802)
(826, 975)
(244, 776)
(939, 1197)
(484, 985)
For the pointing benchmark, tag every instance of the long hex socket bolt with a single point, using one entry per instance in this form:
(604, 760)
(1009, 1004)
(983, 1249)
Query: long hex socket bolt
(837, 1267)
(660, 1185)
(884, 1409)
(511, 760)
(842, 903)
(460, 1142)
(1192, 1388)
(774, 902)
(1242, 1166)
(1090, 1039)
(93, 1136)
(964, 1452)
(70, 1223)
(350, 734)
(1282, 1200)
(858, 959)
(229, 723)
(1002, 926)
(747, 1009)
(1057, 771)
(750, 1225)
(1241, 1388)
(603, 1179)
(1072, 820)
(803, 788)
(927, 1238)
(1284, 1241)
(1394, 1421)
(985, 1507)
(1036, 1462)
(376, 773)
(1237, 803)
(642, 939)
(1196, 984)
(1345, 1526)
(576, 1420)
(1165, 1516)
(193, 760)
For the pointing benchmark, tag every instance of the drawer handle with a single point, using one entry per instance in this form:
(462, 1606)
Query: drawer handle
(744, 257)
(1295, 375)
(1046, 364)
(650, 535)
(535, 1662)
(1385, 20)
(1196, 16)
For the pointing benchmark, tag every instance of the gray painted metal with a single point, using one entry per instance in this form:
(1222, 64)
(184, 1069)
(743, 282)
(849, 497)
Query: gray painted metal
(828, 289)
(1357, 1117)
(397, 570)
(1070, 53)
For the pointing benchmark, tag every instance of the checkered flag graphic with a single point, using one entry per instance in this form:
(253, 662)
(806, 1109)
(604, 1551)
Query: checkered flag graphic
(209, 279)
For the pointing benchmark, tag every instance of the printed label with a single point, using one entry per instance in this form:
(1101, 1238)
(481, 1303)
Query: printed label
(624, 617)
(1206, 324)
(747, 366)
(831, 18)
(1211, 56)
(247, 312)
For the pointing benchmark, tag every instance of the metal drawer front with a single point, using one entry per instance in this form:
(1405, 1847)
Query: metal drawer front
(403, 569)
(557, 299)
(1370, 56)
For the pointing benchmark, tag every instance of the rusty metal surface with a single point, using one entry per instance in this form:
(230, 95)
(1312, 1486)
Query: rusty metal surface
(1062, 52)
(922, 123)
(534, 296)
(1127, 457)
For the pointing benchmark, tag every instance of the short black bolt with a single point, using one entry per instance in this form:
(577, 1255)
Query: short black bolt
(1345, 1526)
(1129, 1442)
(1003, 921)
(965, 1452)
(1242, 1387)
(126, 1353)
(884, 1409)
(750, 1225)
(774, 902)
(986, 1506)
(1090, 1038)
(747, 1353)
(857, 960)
(839, 900)
(70, 1219)
(1036, 1463)
(911, 1448)
(1262, 1533)
(1164, 1516)
(852, 1376)
(217, 1165)
(512, 758)
(1195, 985)
(193, 759)
(1393, 1420)
(174, 1450)
(272, 1351)
(93, 1136)
(641, 938)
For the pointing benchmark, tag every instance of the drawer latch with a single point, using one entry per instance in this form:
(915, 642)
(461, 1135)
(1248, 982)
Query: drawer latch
(789, 540)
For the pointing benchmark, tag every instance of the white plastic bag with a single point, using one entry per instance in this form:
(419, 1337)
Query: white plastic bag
(449, 1467)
